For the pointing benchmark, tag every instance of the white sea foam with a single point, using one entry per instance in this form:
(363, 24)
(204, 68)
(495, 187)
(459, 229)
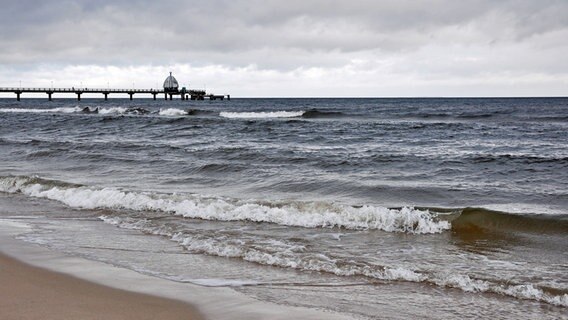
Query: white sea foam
(113, 110)
(77, 109)
(53, 110)
(282, 255)
(521, 291)
(172, 112)
(462, 282)
(309, 215)
(532, 293)
(261, 115)
(321, 263)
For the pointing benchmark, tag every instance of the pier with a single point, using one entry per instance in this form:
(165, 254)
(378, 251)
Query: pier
(171, 89)
(184, 94)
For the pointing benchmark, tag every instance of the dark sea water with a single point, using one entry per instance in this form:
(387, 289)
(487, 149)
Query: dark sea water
(452, 208)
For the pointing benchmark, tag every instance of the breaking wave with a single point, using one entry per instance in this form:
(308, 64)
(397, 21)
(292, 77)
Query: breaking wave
(299, 214)
(114, 110)
(309, 114)
(261, 115)
(31, 110)
(172, 112)
(290, 213)
(78, 109)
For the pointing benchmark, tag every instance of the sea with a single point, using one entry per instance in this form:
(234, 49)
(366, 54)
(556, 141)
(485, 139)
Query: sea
(430, 208)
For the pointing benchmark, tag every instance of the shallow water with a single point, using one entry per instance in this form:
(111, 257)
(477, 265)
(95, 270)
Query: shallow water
(458, 207)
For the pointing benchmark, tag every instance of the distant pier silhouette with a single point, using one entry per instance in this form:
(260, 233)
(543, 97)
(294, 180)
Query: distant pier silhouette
(171, 88)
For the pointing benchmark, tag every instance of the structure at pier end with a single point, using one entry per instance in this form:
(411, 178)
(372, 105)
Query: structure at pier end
(171, 88)
(171, 85)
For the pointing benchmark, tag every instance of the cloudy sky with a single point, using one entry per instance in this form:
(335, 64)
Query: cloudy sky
(259, 48)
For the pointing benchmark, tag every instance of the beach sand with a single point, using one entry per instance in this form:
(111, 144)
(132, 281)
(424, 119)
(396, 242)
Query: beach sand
(29, 292)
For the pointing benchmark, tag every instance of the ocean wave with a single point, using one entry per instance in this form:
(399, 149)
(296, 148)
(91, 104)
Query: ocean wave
(521, 158)
(31, 110)
(113, 110)
(261, 115)
(292, 256)
(299, 214)
(291, 213)
(478, 220)
(316, 114)
(559, 118)
(307, 114)
(194, 112)
(172, 112)
(122, 110)
(84, 110)
(182, 112)
(457, 115)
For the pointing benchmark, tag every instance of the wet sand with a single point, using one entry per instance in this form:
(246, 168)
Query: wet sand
(32, 293)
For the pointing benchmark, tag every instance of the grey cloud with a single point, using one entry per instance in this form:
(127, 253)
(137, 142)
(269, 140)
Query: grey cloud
(280, 35)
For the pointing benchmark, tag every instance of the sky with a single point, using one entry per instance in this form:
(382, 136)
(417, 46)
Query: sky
(291, 48)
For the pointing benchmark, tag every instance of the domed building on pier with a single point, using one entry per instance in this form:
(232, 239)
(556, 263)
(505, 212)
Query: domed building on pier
(171, 84)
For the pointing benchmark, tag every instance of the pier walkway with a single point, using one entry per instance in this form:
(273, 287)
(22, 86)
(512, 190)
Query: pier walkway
(184, 94)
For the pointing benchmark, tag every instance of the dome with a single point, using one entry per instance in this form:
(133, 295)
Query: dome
(171, 83)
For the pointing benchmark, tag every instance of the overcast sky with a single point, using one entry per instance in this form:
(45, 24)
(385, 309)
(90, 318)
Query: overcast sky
(291, 48)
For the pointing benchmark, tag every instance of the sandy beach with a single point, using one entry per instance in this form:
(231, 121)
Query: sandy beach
(33, 293)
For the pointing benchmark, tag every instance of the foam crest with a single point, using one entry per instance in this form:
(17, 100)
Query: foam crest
(261, 115)
(172, 112)
(462, 282)
(299, 214)
(113, 110)
(53, 110)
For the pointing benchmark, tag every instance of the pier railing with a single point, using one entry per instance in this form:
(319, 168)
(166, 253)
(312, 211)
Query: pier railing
(73, 89)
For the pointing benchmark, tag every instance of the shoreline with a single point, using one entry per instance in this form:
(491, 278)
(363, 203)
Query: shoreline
(193, 301)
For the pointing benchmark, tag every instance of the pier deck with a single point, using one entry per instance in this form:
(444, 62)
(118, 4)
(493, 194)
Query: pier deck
(184, 94)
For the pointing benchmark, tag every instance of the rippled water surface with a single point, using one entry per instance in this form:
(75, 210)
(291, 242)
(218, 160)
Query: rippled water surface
(454, 207)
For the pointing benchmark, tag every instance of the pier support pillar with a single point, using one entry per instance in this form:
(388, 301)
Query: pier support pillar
(131, 94)
(78, 96)
(171, 96)
(49, 95)
(106, 95)
(166, 96)
(18, 95)
(187, 97)
(228, 97)
(154, 96)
